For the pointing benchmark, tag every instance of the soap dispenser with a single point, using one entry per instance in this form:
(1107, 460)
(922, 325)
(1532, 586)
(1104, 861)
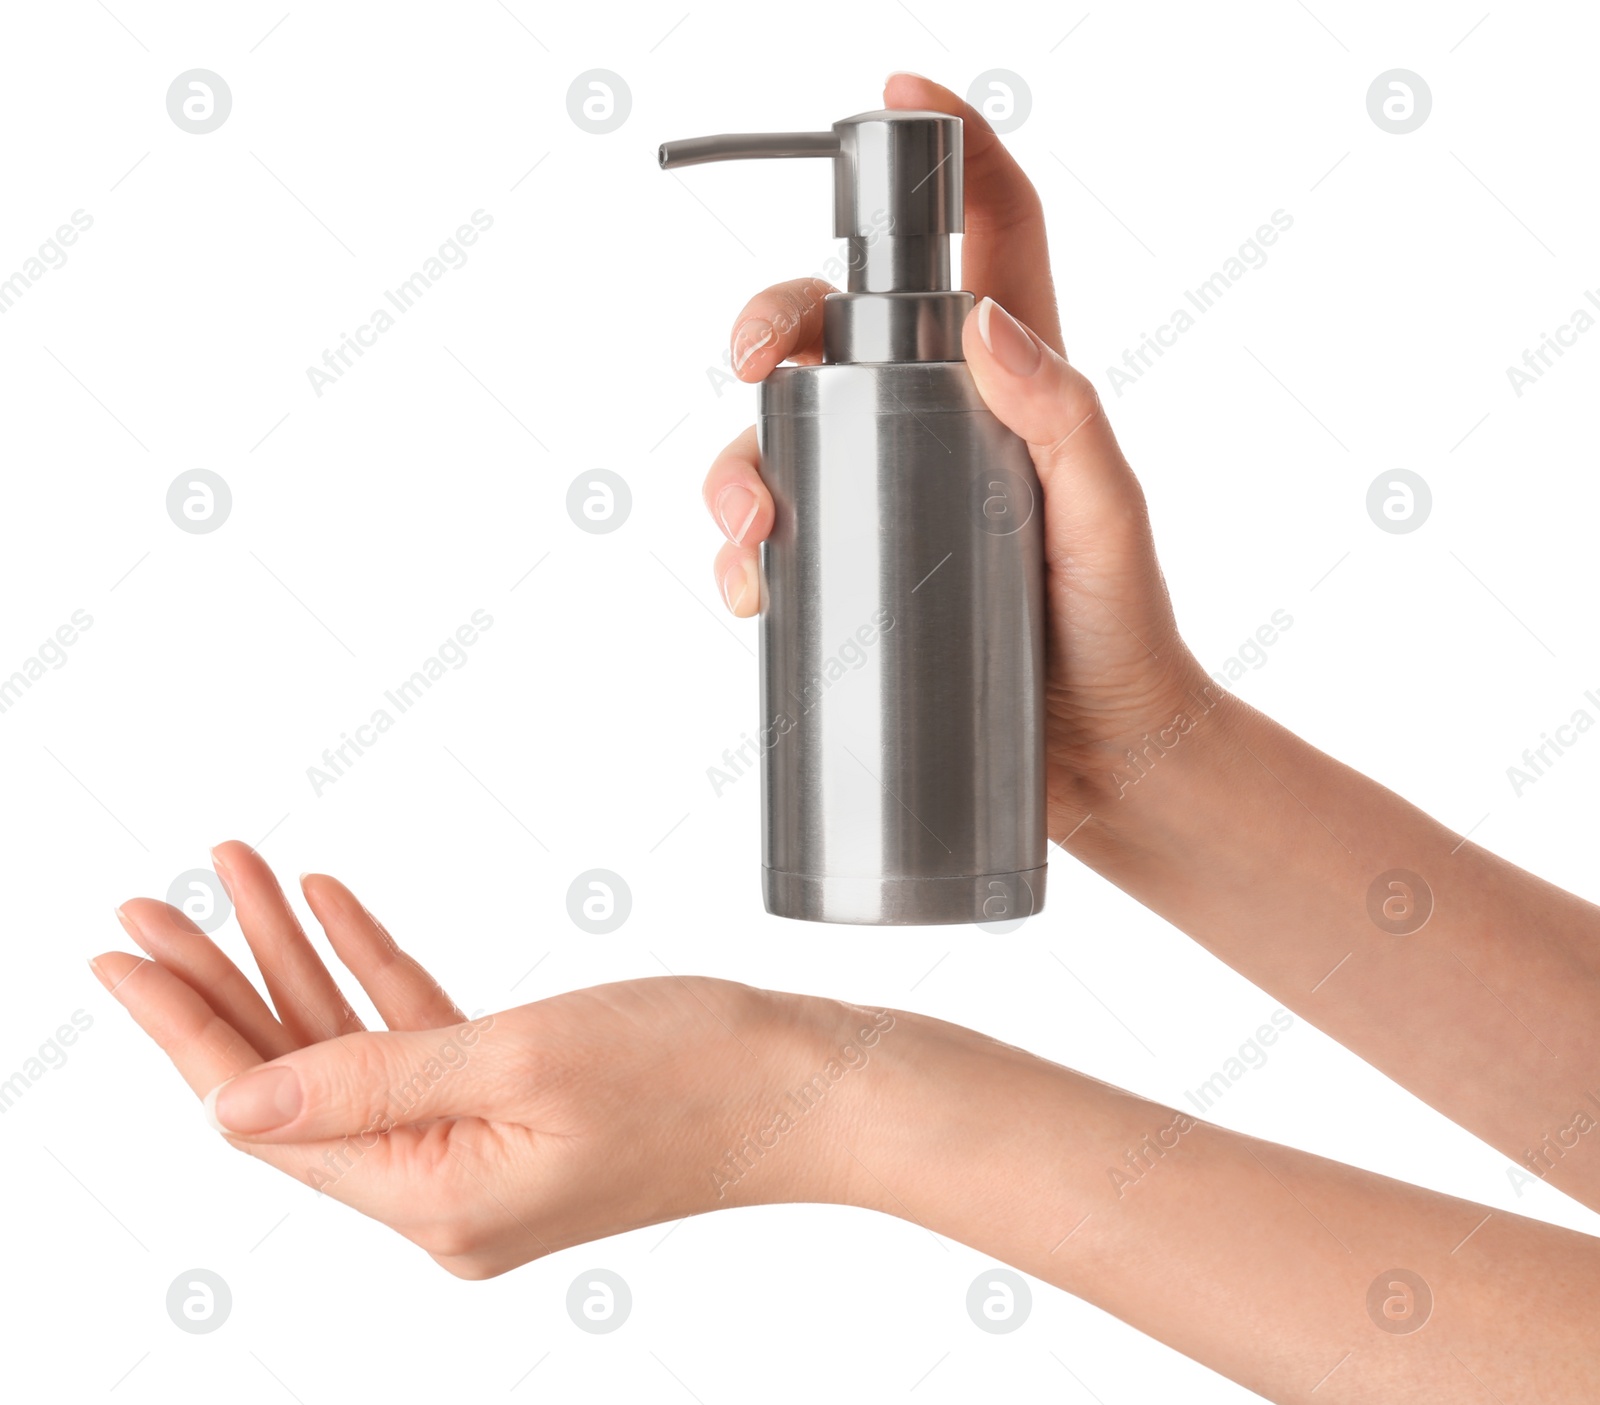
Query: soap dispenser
(902, 641)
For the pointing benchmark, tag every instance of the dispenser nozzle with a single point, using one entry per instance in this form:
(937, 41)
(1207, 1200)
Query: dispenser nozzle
(896, 189)
(735, 146)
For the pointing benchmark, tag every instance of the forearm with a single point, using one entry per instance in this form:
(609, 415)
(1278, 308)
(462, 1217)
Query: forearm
(1257, 1260)
(1267, 852)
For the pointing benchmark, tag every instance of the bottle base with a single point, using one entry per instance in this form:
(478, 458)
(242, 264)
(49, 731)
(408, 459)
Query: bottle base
(904, 902)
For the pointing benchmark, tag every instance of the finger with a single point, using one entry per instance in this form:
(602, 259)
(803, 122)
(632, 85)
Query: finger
(1004, 252)
(372, 1084)
(207, 1051)
(782, 323)
(168, 935)
(735, 495)
(203, 1046)
(738, 574)
(404, 993)
(308, 999)
(1051, 405)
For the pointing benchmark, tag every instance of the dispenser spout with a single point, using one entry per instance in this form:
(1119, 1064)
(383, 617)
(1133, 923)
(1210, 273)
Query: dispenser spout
(736, 146)
(896, 189)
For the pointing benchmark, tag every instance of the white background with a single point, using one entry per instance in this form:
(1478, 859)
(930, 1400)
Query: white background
(369, 523)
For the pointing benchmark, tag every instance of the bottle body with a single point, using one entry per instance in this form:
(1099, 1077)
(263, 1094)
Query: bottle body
(902, 650)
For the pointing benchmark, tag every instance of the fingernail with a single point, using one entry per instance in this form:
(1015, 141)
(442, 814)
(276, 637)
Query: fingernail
(134, 931)
(216, 854)
(1007, 340)
(904, 73)
(736, 510)
(740, 583)
(219, 866)
(99, 975)
(254, 1102)
(749, 339)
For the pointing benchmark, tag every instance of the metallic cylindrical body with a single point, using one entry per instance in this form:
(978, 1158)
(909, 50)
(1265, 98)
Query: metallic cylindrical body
(902, 616)
(902, 650)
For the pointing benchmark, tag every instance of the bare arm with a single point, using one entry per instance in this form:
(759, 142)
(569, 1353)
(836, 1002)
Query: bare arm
(1469, 981)
(1287, 1272)
(1255, 843)
(493, 1141)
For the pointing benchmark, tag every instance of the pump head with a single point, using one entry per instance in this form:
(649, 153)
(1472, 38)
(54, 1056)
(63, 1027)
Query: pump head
(896, 190)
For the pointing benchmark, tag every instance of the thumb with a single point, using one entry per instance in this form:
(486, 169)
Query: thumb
(365, 1083)
(1037, 395)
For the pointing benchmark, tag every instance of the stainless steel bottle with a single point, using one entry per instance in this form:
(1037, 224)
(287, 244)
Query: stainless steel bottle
(902, 617)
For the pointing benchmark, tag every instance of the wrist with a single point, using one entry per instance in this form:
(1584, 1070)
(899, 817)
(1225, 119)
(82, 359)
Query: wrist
(1132, 788)
(789, 1130)
(940, 1123)
(982, 1143)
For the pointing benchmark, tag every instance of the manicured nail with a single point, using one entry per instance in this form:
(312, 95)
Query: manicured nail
(219, 866)
(99, 975)
(134, 931)
(254, 1102)
(249, 849)
(749, 339)
(1007, 339)
(740, 584)
(736, 510)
